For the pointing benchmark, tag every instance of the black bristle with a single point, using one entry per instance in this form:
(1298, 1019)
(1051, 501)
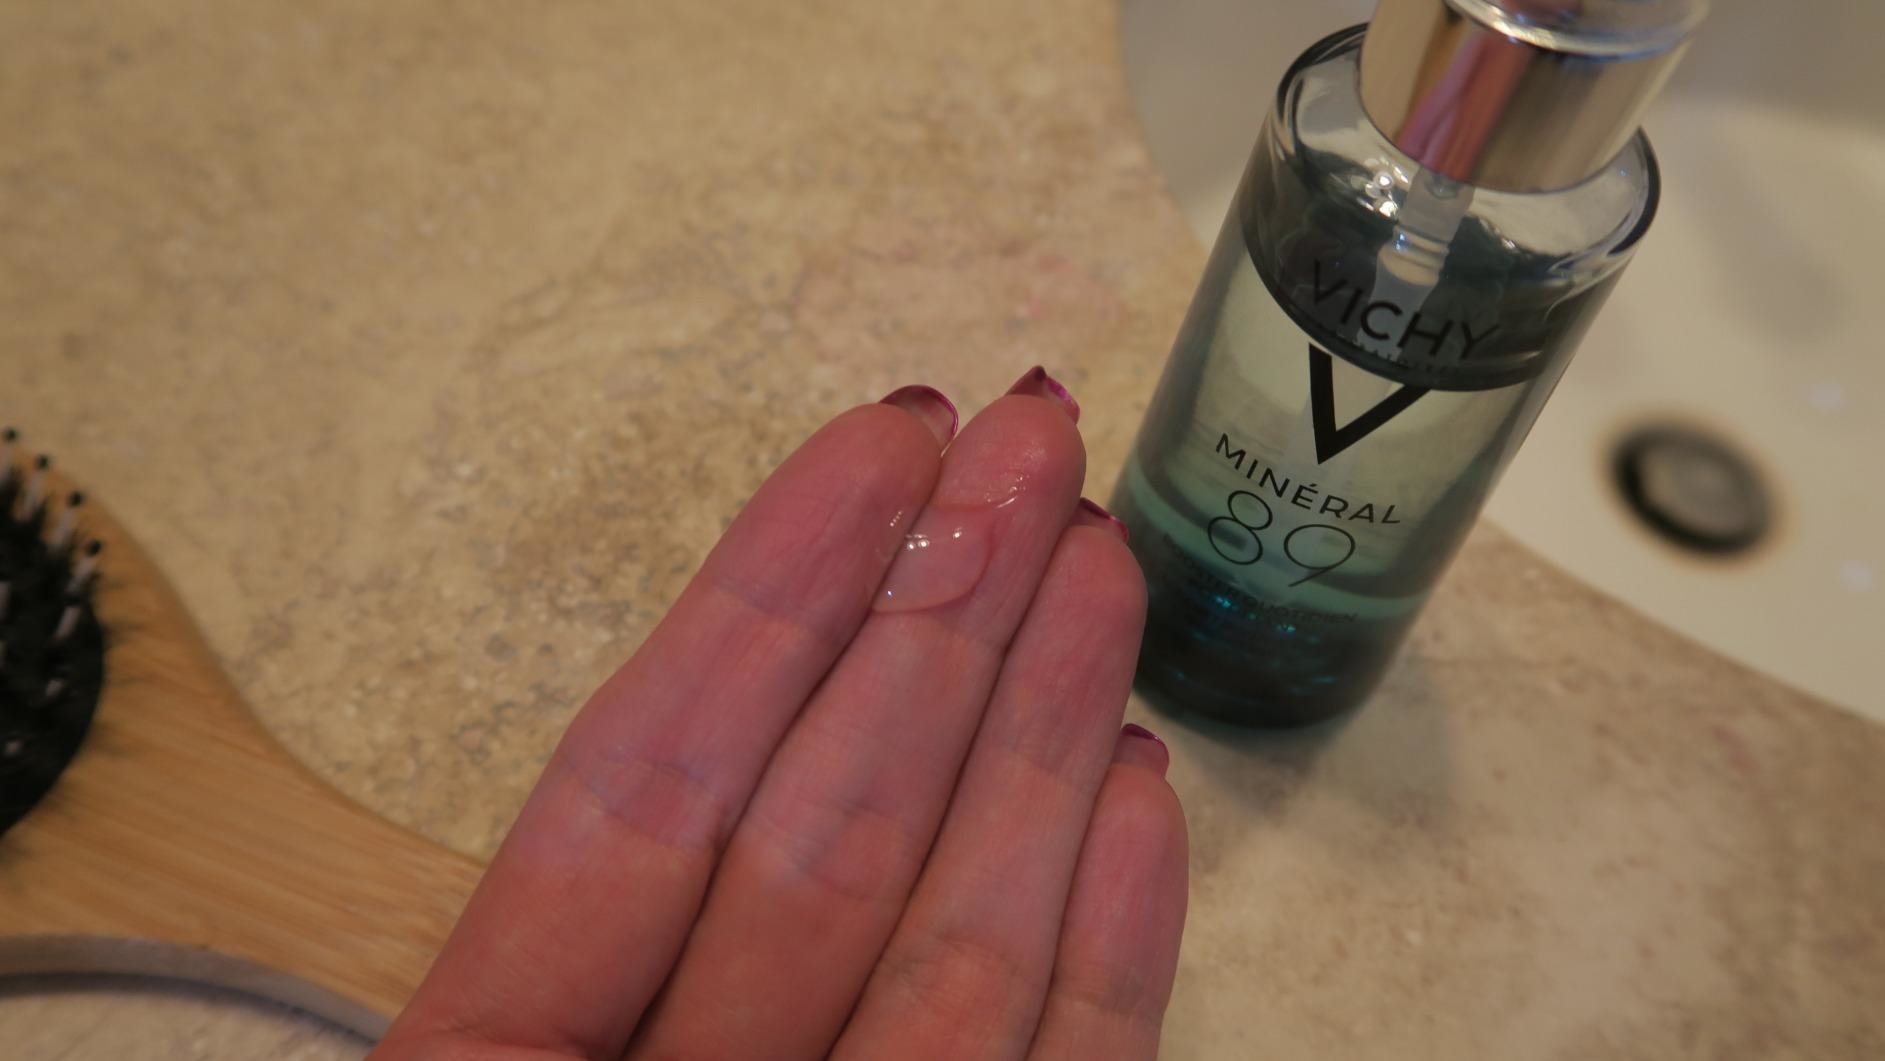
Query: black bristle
(49, 684)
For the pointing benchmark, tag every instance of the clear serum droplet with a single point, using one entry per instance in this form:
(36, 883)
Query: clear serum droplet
(942, 559)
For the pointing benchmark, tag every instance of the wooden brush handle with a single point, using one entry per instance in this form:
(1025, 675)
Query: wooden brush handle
(185, 841)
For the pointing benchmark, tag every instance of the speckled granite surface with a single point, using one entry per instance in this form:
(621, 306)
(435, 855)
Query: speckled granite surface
(429, 345)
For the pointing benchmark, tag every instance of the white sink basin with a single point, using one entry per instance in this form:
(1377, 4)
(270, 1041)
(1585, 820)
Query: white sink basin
(1754, 310)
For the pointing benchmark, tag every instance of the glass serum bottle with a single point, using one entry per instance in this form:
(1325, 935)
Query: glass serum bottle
(1437, 206)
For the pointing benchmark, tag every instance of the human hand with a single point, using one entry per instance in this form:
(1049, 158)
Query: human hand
(836, 806)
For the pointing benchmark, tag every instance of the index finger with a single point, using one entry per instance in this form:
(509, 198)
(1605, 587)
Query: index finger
(586, 905)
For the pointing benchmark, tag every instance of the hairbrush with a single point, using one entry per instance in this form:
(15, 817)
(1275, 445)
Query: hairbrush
(148, 823)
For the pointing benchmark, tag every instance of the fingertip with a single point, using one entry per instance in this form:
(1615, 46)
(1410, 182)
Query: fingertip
(1107, 572)
(1016, 443)
(930, 406)
(873, 442)
(1142, 809)
(1038, 383)
(1090, 514)
(1138, 746)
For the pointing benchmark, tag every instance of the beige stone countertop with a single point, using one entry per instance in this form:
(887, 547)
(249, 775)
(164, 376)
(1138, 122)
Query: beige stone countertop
(429, 345)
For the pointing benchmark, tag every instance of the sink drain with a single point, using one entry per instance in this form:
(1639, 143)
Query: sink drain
(1695, 490)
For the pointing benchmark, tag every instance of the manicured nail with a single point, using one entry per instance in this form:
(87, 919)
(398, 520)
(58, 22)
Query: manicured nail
(1141, 747)
(929, 405)
(1106, 519)
(1133, 729)
(1041, 385)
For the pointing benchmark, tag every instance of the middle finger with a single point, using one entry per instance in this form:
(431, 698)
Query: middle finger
(821, 865)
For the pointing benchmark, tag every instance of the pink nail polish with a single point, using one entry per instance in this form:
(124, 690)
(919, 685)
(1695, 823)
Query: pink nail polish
(1112, 522)
(1038, 383)
(929, 405)
(1142, 747)
(1133, 729)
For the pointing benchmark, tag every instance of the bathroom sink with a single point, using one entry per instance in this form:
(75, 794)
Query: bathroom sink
(1749, 314)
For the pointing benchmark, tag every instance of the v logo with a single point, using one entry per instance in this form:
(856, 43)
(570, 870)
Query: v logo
(1331, 439)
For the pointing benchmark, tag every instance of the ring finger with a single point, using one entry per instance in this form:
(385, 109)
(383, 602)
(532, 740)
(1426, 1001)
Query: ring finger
(820, 867)
(967, 971)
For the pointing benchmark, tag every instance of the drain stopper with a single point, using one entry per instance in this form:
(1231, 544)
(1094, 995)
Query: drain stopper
(1694, 490)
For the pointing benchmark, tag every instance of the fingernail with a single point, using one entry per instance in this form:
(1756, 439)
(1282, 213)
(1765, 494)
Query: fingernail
(1041, 385)
(1133, 729)
(1105, 519)
(929, 405)
(1141, 747)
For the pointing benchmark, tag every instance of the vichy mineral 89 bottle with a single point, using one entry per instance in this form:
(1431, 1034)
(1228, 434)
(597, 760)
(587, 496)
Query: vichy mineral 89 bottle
(1437, 206)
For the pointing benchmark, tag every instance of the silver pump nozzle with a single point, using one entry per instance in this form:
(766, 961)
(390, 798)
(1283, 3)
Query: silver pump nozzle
(1519, 95)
